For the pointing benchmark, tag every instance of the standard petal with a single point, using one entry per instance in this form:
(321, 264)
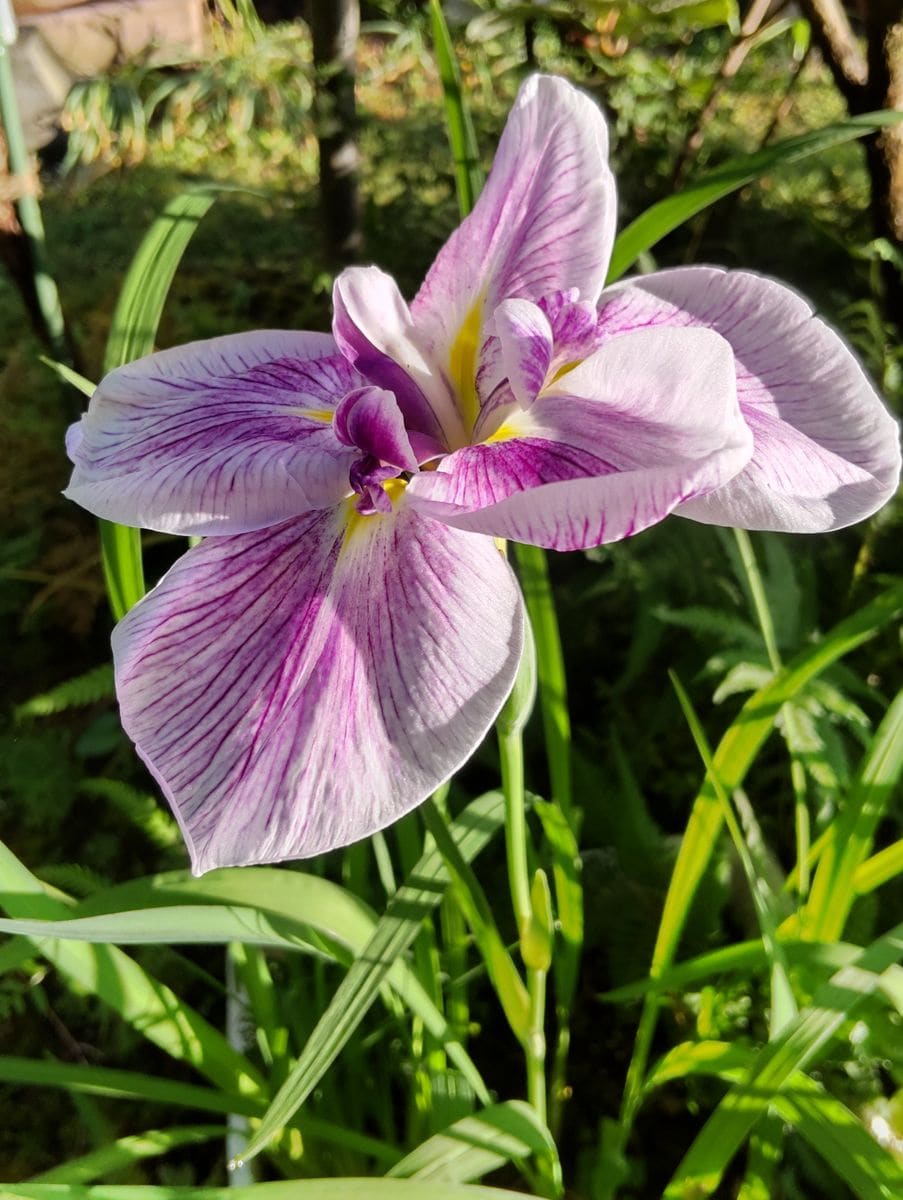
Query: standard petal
(525, 342)
(222, 436)
(373, 327)
(544, 222)
(299, 688)
(826, 451)
(614, 446)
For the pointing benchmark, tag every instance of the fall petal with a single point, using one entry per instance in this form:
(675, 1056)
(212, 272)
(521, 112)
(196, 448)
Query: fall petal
(826, 451)
(648, 421)
(297, 689)
(221, 436)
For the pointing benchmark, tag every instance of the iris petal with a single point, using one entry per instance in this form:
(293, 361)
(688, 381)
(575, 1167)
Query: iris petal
(222, 436)
(544, 221)
(614, 446)
(826, 451)
(296, 689)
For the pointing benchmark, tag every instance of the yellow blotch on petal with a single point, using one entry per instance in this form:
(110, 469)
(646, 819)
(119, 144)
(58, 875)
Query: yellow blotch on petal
(355, 521)
(317, 414)
(463, 365)
(563, 370)
(504, 433)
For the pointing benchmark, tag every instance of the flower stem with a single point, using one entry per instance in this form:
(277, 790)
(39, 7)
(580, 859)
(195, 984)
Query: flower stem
(534, 577)
(511, 754)
(788, 716)
(535, 1048)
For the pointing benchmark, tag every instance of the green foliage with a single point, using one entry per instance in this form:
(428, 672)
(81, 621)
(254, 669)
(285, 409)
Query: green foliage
(404, 1085)
(93, 686)
(252, 92)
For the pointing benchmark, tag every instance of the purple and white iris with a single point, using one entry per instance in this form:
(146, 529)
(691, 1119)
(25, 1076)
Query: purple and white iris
(348, 630)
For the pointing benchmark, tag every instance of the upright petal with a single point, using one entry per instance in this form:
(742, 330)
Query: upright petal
(826, 451)
(374, 329)
(222, 436)
(296, 689)
(525, 342)
(648, 421)
(544, 222)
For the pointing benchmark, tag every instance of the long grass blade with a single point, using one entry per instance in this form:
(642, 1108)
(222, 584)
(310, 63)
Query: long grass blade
(737, 751)
(256, 906)
(825, 1122)
(127, 1151)
(732, 759)
(665, 216)
(132, 334)
(774, 1066)
(834, 887)
(461, 136)
(125, 1085)
(478, 1144)
(783, 1005)
(394, 934)
(295, 1189)
(119, 982)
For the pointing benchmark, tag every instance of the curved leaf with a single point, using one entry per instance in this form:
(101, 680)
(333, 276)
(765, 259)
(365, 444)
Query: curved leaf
(480, 1143)
(667, 215)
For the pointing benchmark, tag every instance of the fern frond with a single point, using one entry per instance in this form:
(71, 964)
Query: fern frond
(94, 685)
(142, 810)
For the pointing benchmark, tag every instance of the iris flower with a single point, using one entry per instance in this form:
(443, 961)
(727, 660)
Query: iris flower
(348, 629)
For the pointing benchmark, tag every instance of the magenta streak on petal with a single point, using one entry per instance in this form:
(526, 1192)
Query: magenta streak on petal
(216, 437)
(297, 689)
(826, 451)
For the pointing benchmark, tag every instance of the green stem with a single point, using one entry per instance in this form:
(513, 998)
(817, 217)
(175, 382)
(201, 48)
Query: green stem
(759, 598)
(534, 577)
(535, 1048)
(788, 716)
(511, 755)
(29, 211)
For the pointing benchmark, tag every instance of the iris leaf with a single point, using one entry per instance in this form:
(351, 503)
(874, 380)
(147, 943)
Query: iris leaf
(260, 906)
(394, 933)
(732, 759)
(835, 885)
(294, 1189)
(118, 981)
(774, 1069)
(669, 214)
(128, 1150)
(461, 136)
(125, 1085)
(744, 956)
(739, 747)
(133, 1085)
(829, 1127)
(132, 334)
(480, 1143)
